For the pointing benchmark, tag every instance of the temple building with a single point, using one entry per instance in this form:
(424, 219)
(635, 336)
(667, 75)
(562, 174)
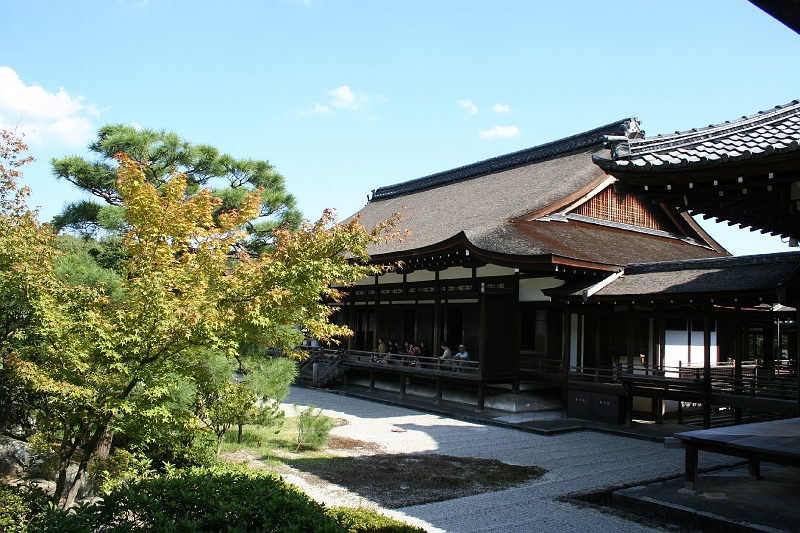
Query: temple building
(577, 265)
(487, 239)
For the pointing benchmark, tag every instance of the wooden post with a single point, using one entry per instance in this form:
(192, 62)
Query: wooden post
(662, 357)
(566, 335)
(351, 318)
(579, 362)
(797, 356)
(438, 390)
(376, 332)
(738, 351)
(481, 395)
(691, 468)
(754, 467)
(707, 367)
(437, 340)
(631, 349)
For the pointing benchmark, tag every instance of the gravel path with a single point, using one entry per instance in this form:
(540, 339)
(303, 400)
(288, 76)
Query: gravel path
(576, 462)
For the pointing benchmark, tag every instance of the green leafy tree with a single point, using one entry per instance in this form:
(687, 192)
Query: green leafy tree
(231, 393)
(102, 360)
(159, 154)
(25, 253)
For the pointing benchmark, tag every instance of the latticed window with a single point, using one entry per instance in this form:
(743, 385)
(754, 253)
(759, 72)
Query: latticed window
(624, 208)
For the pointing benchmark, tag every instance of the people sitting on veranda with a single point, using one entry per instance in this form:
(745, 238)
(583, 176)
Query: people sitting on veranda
(412, 354)
(446, 359)
(393, 352)
(423, 350)
(462, 356)
(382, 351)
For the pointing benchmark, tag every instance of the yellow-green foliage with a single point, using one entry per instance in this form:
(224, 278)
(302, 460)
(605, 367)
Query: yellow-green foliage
(363, 520)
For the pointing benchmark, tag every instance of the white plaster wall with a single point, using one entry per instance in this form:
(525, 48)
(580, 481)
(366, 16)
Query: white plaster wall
(677, 348)
(456, 273)
(573, 340)
(421, 275)
(494, 270)
(390, 277)
(530, 289)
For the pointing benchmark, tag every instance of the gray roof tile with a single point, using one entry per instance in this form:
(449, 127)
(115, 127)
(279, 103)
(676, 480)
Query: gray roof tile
(759, 135)
(712, 276)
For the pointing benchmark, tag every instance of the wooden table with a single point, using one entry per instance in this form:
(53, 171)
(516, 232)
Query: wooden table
(774, 442)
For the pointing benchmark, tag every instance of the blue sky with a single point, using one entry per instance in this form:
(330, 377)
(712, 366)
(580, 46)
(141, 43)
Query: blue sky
(346, 96)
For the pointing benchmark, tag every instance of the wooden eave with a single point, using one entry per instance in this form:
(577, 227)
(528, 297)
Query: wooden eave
(459, 251)
(750, 193)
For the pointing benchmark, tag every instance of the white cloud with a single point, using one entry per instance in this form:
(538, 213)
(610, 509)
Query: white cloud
(500, 131)
(502, 108)
(344, 98)
(473, 109)
(318, 108)
(45, 118)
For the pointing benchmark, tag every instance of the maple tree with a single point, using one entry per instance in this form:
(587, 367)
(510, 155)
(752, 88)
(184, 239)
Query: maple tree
(189, 284)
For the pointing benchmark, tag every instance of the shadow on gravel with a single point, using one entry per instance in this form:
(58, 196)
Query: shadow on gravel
(394, 480)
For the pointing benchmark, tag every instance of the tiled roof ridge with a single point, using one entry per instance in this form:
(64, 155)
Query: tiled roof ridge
(713, 262)
(693, 136)
(494, 164)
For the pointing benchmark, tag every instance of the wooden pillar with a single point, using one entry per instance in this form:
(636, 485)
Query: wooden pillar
(415, 340)
(707, 367)
(769, 345)
(351, 319)
(630, 345)
(377, 323)
(598, 361)
(579, 349)
(402, 384)
(438, 390)
(754, 467)
(630, 349)
(691, 468)
(437, 306)
(738, 356)
(566, 335)
(662, 357)
(371, 380)
(797, 356)
(481, 395)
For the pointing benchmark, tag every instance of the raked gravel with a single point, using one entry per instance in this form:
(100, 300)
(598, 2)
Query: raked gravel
(576, 462)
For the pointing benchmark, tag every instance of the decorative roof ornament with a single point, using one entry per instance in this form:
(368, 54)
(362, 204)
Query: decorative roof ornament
(633, 128)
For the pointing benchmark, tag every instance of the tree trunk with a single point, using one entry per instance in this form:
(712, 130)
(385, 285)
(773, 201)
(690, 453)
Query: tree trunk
(104, 448)
(220, 438)
(65, 453)
(89, 449)
(239, 438)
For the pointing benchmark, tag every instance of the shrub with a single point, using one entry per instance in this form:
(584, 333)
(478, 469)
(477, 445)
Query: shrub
(18, 506)
(313, 428)
(201, 500)
(363, 520)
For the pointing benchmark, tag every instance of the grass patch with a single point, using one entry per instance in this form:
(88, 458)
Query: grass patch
(396, 481)
(263, 440)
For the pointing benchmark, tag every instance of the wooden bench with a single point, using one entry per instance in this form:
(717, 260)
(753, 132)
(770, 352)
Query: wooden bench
(774, 442)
